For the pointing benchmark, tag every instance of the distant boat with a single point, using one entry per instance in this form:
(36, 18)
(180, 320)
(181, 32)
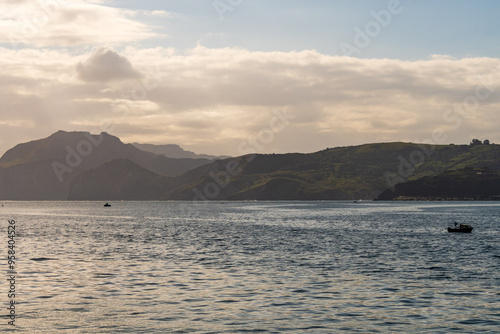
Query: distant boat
(107, 204)
(462, 228)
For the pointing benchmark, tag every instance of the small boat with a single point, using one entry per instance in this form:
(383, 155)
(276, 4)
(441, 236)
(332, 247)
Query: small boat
(462, 228)
(107, 205)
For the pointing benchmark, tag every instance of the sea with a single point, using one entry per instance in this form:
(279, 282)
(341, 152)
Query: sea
(250, 267)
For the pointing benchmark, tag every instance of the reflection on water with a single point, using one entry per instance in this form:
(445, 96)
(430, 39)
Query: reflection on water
(306, 267)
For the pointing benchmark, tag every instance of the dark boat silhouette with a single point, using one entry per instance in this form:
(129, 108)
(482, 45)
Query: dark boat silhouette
(107, 205)
(462, 228)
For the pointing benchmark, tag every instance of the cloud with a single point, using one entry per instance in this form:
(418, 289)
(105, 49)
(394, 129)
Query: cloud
(67, 23)
(212, 100)
(160, 14)
(106, 65)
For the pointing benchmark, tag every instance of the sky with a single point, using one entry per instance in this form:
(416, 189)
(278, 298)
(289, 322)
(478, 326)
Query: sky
(238, 76)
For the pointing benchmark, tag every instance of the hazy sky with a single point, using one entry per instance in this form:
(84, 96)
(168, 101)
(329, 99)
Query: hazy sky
(232, 76)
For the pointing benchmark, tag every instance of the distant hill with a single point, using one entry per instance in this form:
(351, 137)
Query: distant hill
(43, 169)
(175, 151)
(462, 184)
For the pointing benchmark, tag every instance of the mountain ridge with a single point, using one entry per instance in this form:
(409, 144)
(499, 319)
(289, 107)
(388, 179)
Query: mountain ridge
(175, 151)
(343, 173)
(86, 163)
(43, 169)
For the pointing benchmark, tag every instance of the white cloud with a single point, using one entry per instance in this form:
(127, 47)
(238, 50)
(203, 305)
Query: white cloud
(67, 23)
(212, 100)
(161, 14)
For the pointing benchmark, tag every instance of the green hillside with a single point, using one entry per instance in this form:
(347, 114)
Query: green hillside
(356, 172)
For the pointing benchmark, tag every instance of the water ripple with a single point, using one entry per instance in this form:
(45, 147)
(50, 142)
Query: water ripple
(261, 267)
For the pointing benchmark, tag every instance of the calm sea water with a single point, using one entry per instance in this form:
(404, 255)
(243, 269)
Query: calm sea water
(253, 267)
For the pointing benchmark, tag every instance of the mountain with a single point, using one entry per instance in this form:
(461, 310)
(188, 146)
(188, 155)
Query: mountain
(79, 165)
(175, 151)
(463, 184)
(44, 169)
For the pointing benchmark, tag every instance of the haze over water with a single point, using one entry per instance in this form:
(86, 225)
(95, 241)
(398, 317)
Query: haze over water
(255, 267)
